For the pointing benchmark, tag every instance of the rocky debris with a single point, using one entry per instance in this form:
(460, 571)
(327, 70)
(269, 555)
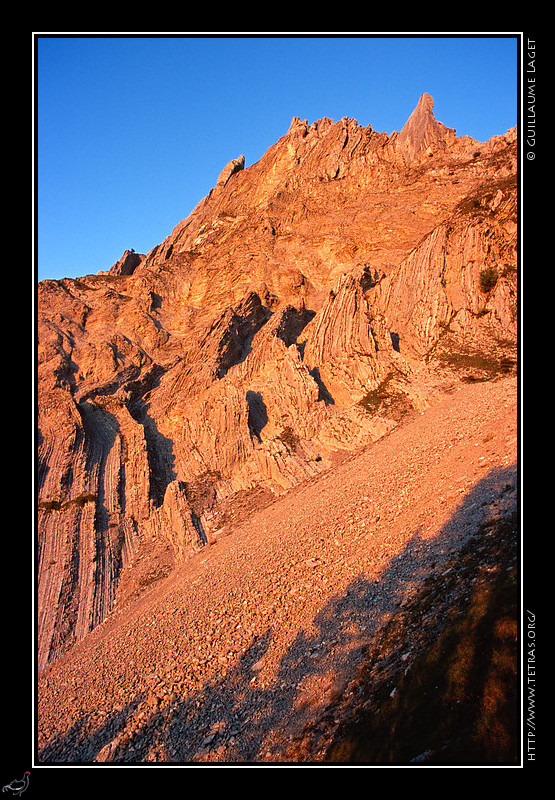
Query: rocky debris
(252, 649)
(298, 314)
(437, 686)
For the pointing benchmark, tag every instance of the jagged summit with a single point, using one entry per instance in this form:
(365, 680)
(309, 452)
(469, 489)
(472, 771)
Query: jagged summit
(295, 315)
(422, 133)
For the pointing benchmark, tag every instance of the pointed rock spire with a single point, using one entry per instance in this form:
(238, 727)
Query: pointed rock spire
(422, 131)
(233, 166)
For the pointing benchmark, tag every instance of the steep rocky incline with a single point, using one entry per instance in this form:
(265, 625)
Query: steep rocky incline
(301, 309)
(251, 650)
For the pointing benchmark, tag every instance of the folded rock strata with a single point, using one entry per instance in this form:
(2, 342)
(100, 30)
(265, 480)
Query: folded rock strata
(301, 308)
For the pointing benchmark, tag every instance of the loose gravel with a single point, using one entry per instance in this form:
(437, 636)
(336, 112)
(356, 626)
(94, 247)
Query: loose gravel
(230, 657)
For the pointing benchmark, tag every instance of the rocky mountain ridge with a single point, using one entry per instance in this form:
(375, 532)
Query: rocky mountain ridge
(294, 316)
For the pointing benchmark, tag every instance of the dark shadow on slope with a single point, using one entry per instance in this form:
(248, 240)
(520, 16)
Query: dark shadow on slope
(438, 680)
(236, 707)
(159, 448)
(292, 323)
(86, 738)
(323, 392)
(456, 700)
(258, 414)
(161, 461)
(235, 331)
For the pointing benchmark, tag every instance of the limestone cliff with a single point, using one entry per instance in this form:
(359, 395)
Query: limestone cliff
(299, 310)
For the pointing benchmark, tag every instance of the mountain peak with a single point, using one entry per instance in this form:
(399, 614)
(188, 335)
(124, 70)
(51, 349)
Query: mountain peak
(299, 311)
(422, 133)
(426, 102)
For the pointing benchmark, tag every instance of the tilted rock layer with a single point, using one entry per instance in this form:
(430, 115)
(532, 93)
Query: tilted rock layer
(297, 312)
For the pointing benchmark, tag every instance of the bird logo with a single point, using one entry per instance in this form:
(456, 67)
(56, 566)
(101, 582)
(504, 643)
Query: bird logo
(17, 787)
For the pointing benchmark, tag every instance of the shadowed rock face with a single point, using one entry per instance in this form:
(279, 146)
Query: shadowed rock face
(301, 305)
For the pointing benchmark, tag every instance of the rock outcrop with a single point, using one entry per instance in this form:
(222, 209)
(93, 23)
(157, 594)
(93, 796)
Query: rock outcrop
(127, 264)
(299, 310)
(422, 134)
(230, 169)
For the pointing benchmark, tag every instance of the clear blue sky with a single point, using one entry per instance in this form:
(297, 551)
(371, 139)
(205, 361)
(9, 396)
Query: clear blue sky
(133, 131)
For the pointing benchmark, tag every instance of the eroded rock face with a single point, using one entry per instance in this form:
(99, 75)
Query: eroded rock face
(422, 134)
(305, 304)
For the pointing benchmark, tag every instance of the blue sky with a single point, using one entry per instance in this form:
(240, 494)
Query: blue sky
(132, 131)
